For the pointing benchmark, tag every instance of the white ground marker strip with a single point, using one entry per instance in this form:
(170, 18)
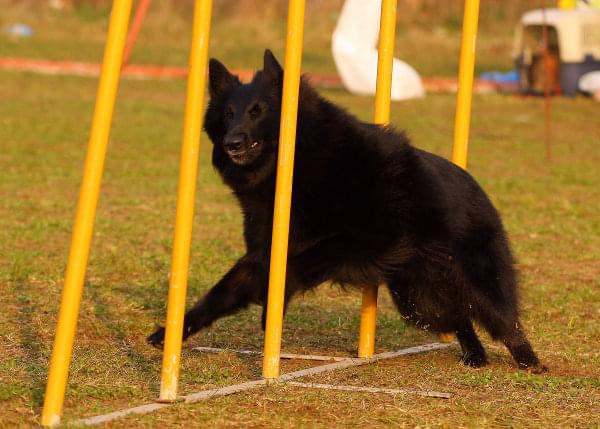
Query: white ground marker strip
(224, 391)
(427, 393)
(142, 409)
(358, 362)
(282, 356)
(194, 397)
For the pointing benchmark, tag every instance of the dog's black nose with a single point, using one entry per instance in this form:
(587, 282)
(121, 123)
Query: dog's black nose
(234, 143)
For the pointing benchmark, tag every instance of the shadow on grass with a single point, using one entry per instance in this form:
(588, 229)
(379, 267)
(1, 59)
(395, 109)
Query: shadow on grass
(150, 296)
(102, 311)
(29, 339)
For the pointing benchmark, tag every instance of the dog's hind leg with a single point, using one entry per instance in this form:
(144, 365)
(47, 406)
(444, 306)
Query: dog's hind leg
(501, 321)
(521, 350)
(433, 302)
(488, 267)
(510, 332)
(473, 351)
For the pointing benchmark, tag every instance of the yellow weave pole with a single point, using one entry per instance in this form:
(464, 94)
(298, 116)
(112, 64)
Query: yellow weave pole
(86, 213)
(462, 120)
(465, 83)
(368, 314)
(283, 188)
(190, 148)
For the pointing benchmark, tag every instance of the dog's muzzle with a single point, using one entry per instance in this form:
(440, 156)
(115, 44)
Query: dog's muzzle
(241, 149)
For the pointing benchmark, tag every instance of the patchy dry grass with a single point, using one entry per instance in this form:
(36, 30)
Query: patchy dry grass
(550, 209)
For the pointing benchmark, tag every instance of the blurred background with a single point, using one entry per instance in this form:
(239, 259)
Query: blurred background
(428, 32)
(537, 159)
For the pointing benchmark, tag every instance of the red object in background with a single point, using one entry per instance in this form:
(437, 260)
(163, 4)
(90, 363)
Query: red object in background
(431, 84)
(136, 25)
(139, 71)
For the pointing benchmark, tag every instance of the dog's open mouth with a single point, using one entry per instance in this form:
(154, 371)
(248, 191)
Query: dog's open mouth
(246, 156)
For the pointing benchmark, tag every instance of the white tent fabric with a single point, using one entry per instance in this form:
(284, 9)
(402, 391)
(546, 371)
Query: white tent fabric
(590, 82)
(354, 46)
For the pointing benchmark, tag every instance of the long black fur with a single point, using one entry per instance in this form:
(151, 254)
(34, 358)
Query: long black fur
(367, 209)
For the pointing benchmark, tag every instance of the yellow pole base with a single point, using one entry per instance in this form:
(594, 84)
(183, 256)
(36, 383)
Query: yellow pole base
(368, 323)
(86, 213)
(464, 98)
(567, 4)
(283, 188)
(184, 220)
(447, 337)
(368, 318)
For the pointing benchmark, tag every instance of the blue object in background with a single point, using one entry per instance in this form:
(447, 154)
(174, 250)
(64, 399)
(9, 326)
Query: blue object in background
(501, 77)
(19, 30)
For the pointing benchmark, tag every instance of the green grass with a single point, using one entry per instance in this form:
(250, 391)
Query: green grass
(550, 209)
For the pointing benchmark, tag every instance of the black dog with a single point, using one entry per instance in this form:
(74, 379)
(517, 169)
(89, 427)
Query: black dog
(368, 208)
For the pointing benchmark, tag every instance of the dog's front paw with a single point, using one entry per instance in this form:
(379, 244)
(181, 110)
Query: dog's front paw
(157, 339)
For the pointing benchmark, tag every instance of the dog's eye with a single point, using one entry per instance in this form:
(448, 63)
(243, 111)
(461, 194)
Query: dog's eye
(229, 113)
(255, 111)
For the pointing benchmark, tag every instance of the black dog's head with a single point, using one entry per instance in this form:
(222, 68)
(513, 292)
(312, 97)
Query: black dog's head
(242, 120)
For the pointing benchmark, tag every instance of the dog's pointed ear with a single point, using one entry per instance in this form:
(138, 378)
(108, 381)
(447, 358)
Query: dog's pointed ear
(271, 67)
(219, 78)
